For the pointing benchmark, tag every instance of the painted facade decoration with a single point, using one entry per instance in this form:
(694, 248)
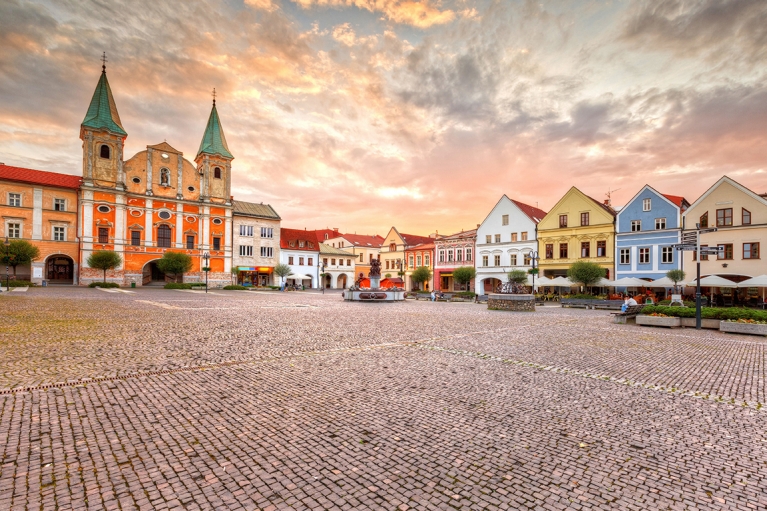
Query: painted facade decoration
(451, 252)
(255, 243)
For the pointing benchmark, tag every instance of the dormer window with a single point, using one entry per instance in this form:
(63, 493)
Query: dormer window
(300, 244)
(164, 177)
(292, 243)
(105, 151)
(217, 173)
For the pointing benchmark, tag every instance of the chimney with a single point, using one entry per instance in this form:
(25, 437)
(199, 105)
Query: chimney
(607, 202)
(335, 229)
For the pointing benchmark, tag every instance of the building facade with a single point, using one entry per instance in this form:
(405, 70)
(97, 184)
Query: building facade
(41, 208)
(740, 215)
(578, 228)
(646, 229)
(364, 249)
(451, 252)
(504, 242)
(393, 258)
(255, 243)
(154, 202)
(300, 250)
(338, 267)
(416, 257)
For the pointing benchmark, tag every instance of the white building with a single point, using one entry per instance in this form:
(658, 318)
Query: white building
(504, 241)
(338, 266)
(300, 250)
(255, 243)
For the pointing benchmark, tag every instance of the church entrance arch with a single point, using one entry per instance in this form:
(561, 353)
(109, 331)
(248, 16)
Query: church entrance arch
(59, 269)
(152, 274)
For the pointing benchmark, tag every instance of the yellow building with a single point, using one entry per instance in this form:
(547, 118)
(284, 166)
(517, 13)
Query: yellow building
(394, 258)
(577, 228)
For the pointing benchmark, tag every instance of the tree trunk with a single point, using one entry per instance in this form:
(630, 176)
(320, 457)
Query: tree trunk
(105, 276)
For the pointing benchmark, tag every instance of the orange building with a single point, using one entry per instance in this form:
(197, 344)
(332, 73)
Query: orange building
(154, 202)
(41, 207)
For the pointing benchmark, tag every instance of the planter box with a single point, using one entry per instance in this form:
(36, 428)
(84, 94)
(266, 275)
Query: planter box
(704, 323)
(743, 328)
(659, 321)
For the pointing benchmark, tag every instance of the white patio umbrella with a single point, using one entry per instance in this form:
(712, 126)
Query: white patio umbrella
(629, 282)
(603, 282)
(713, 281)
(539, 281)
(298, 276)
(760, 281)
(561, 282)
(665, 282)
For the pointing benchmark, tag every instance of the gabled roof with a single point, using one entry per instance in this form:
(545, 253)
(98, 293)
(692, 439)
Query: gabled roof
(679, 202)
(412, 239)
(213, 140)
(472, 233)
(164, 146)
(735, 184)
(535, 214)
(328, 250)
(676, 199)
(102, 112)
(421, 246)
(332, 233)
(252, 209)
(39, 177)
(362, 240)
(288, 236)
(604, 206)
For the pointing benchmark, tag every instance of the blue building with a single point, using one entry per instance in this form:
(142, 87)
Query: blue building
(646, 228)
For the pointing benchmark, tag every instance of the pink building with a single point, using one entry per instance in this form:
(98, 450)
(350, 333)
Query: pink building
(451, 252)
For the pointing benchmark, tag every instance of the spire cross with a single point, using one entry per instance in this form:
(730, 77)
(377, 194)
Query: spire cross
(214, 96)
(104, 62)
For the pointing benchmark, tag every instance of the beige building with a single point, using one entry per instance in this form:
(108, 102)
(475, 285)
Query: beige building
(338, 266)
(364, 249)
(255, 243)
(740, 215)
(393, 257)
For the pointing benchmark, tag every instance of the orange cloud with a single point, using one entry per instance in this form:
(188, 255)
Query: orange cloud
(423, 14)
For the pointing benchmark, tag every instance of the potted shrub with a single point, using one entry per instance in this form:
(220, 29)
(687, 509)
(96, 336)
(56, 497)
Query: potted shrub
(744, 326)
(658, 319)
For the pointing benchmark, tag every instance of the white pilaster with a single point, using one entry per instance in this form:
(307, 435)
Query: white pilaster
(87, 226)
(179, 177)
(655, 258)
(149, 171)
(179, 225)
(37, 214)
(119, 224)
(148, 228)
(228, 252)
(634, 255)
(205, 237)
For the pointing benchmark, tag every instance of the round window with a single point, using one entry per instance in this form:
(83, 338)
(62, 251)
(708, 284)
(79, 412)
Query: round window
(165, 215)
(136, 180)
(104, 209)
(217, 221)
(190, 188)
(164, 156)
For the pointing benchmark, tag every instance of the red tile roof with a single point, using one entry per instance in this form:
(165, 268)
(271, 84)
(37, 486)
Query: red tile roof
(296, 235)
(332, 233)
(422, 246)
(535, 214)
(676, 199)
(604, 206)
(472, 233)
(363, 240)
(412, 239)
(39, 177)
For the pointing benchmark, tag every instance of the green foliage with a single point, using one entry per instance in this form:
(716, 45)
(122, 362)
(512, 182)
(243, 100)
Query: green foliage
(387, 276)
(420, 275)
(273, 287)
(197, 284)
(465, 294)
(708, 312)
(18, 252)
(464, 275)
(235, 288)
(104, 260)
(584, 297)
(103, 284)
(518, 276)
(18, 283)
(676, 276)
(586, 273)
(175, 264)
(177, 285)
(282, 271)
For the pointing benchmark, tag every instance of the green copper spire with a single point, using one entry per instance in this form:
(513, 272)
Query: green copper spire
(102, 112)
(213, 141)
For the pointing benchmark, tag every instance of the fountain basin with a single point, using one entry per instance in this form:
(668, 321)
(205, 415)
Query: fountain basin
(374, 295)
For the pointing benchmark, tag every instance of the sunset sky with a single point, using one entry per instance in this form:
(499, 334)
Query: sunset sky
(363, 114)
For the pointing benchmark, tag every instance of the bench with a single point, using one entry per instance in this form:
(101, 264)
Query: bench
(630, 313)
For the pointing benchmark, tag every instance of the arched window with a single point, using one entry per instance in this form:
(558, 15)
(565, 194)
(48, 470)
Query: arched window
(163, 236)
(105, 152)
(164, 177)
(217, 172)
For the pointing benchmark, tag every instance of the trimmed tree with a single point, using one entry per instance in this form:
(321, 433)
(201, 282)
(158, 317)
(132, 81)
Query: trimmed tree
(585, 273)
(518, 280)
(676, 276)
(19, 252)
(464, 275)
(282, 271)
(175, 264)
(421, 275)
(104, 260)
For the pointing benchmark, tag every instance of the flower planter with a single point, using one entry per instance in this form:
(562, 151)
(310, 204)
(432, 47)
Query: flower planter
(704, 323)
(743, 328)
(658, 321)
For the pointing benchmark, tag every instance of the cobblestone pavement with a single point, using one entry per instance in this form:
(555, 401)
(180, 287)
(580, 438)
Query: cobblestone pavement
(243, 400)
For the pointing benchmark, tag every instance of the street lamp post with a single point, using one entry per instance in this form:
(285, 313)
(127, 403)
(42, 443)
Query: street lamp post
(7, 258)
(321, 266)
(534, 258)
(206, 269)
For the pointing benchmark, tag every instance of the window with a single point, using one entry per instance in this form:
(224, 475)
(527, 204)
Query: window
(290, 259)
(488, 239)
(636, 225)
(644, 256)
(267, 252)
(468, 254)
(426, 260)
(441, 256)
(164, 215)
(14, 199)
(418, 260)
(300, 261)
(524, 235)
(104, 209)
(333, 261)
(362, 258)
(137, 180)
(189, 242)
(217, 221)
(724, 217)
(387, 264)
(563, 250)
(562, 221)
(327, 237)
(217, 173)
(725, 251)
(497, 260)
(392, 247)
(325, 261)
(660, 223)
(310, 261)
(300, 244)
(58, 233)
(14, 230)
(602, 248)
(646, 204)
(513, 236)
(484, 261)
(625, 256)
(267, 232)
(103, 235)
(59, 205)
(348, 262)
(163, 236)
(135, 238)
(704, 220)
(450, 256)
(459, 254)
(751, 251)
(667, 255)
(247, 230)
(164, 177)
(410, 261)
(527, 260)
(586, 249)
(190, 188)
(702, 257)
(105, 152)
(584, 219)
(512, 259)
(497, 238)
(216, 243)
(505, 220)
(746, 217)
(549, 251)
(246, 250)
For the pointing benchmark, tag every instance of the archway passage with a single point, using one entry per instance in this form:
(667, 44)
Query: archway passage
(152, 274)
(59, 269)
(342, 281)
(327, 281)
(492, 285)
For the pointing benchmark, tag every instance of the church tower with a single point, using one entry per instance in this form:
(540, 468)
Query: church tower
(214, 162)
(103, 138)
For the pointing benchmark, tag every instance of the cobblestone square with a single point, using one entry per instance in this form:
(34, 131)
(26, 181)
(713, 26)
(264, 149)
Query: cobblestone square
(166, 399)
